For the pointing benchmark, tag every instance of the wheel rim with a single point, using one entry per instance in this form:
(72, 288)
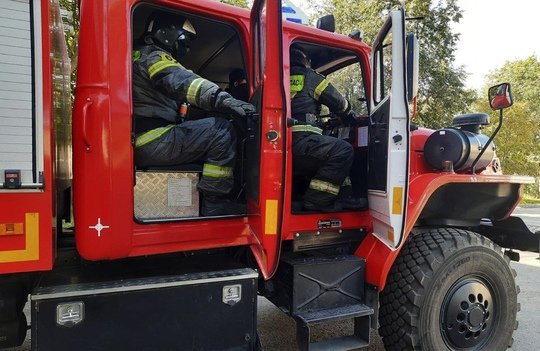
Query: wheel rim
(468, 313)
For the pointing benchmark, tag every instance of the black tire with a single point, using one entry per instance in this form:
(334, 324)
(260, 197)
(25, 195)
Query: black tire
(449, 289)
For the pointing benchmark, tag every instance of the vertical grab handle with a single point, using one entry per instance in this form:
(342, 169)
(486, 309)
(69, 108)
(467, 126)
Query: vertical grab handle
(85, 108)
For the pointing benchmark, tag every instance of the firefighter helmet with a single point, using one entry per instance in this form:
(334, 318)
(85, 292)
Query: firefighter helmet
(171, 32)
(299, 58)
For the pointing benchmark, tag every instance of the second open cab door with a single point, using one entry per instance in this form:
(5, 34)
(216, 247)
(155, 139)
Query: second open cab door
(389, 132)
(265, 147)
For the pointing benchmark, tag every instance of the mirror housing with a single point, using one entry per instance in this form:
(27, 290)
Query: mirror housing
(500, 96)
(327, 23)
(412, 66)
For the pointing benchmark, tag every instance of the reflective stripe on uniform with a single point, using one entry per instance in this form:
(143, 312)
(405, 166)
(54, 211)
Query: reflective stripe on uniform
(320, 88)
(307, 128)
(321, 185)
(161, 65)
(151, 135)
(193, 89)
(297, 84)
(214, 171)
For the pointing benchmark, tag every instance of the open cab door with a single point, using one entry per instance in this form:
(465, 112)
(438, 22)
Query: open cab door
(265, 144)
(388, 175)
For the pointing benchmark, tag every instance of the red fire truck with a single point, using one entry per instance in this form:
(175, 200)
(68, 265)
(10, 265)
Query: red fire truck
(141, 269)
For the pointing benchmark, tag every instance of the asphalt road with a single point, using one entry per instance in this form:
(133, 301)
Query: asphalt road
(278, 331)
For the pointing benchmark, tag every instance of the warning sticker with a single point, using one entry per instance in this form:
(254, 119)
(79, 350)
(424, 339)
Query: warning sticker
(179, 192)
(362, 136)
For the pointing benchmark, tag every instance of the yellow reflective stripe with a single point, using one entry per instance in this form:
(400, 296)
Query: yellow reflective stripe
(160, 66)
(271, 217)
(31, 247)
(307, 128)
(297, 84)
(152, 135)
(320, 88)
(321, 185)
(217, 171)
(193, 89)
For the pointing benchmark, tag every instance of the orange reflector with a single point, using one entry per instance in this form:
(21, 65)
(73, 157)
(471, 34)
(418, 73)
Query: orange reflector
(390, 235)
(270, 223)
(31, 250)
(11, 229)
(397, 200)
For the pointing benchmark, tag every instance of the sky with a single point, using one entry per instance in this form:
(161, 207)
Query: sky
(492, 32)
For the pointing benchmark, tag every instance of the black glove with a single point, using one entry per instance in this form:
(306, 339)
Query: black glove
(238, 108)
(349, 118)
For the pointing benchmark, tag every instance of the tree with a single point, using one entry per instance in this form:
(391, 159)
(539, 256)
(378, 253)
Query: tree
(239, 3)
(442, 92)
(518, 142)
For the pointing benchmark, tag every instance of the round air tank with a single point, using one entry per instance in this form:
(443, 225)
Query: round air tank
(458, 146)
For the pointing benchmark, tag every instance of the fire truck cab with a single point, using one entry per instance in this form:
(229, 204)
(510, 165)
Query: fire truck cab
(140, 248)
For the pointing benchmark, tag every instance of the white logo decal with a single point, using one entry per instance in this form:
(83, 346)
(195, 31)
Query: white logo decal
(99, 227)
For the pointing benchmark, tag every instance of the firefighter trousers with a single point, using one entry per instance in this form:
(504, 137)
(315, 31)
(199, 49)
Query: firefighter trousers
(327, 160)
(209, 140)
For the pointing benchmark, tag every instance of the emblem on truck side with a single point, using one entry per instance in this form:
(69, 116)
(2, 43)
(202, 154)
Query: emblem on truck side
(232, 294)
(98, 227)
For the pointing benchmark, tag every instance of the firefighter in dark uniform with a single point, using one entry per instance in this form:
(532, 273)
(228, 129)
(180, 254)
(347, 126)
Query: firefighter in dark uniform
(160, 86)
(326, 159)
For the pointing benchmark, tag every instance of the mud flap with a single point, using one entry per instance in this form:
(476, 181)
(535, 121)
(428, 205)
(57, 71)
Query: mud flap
(511, 233)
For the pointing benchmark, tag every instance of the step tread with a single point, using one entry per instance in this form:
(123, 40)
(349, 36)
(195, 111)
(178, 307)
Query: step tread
(332, 314)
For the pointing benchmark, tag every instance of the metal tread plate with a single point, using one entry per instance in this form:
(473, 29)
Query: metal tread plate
(332, 314)
(105, 287)
(166, 195)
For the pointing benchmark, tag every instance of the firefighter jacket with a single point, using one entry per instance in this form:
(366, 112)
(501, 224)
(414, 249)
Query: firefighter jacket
(309, 90)
(161, 84)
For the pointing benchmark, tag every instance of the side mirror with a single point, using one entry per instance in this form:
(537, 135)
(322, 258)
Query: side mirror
(327, 23)
(412, 66)
(500, 96)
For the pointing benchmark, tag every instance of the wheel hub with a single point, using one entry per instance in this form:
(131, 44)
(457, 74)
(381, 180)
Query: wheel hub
(468, 312)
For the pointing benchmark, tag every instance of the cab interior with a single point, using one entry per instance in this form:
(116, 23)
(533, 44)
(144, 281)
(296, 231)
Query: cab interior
(217, 51)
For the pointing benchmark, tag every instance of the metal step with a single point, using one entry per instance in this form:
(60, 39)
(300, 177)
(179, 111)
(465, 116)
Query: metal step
(335, 314)
(360, 338)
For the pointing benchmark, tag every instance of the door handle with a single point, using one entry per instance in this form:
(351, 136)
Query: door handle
(85, 108)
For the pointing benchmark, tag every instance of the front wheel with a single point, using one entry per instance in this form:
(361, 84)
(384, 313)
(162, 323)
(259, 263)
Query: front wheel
(449, 289)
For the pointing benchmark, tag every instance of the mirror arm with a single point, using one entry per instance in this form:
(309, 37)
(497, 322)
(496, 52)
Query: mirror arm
(473, 167)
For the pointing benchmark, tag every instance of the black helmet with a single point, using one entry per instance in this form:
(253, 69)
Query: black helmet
(170, 32)
(299, 58)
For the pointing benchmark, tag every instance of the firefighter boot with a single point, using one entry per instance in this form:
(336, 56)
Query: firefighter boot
(220, 206)
(346, 199)
(352, 203)
(320, 200)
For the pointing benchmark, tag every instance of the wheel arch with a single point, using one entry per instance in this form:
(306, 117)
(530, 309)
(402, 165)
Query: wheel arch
(466, 204)
(485, 196)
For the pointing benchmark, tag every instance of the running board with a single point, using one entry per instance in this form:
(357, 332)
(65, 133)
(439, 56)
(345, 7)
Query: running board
(360, 313)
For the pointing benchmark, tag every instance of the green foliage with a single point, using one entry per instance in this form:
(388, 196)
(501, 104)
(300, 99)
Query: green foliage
(239, 3)
(442, 92)
(518, 142)
(71, 21)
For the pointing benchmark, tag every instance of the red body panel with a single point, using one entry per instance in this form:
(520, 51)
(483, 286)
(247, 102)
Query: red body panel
(32, 249)
(424, 181)
(103, 156)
